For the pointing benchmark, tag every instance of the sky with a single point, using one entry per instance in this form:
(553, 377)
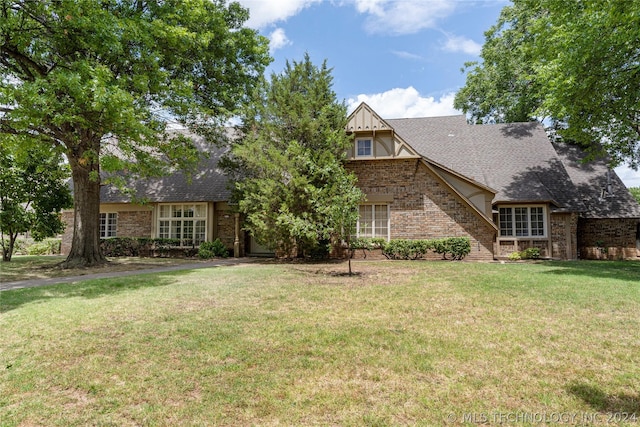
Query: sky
(402, 57)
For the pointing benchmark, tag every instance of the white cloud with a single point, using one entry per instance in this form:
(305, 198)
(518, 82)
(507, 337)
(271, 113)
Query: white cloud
(263, 13)
(630, 177)
(406, 55)
(405, 103)
(278, 39)
(462, 44)
(403, 17)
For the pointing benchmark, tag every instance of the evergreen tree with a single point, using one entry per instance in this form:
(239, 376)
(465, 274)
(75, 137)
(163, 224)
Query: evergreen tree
(288, 163)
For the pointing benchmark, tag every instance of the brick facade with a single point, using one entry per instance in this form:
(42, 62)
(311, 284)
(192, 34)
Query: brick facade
(139, 223)
(564, 244)
(134, 224)
(225, 229)
(422, 206)
(608, 238)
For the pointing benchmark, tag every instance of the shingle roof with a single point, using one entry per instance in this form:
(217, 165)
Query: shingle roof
(602, 191)
(517, 160)
(208, 183)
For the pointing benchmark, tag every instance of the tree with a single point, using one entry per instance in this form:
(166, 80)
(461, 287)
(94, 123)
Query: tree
(98, 80)
(576, 64)
(287, 164)
(33, 191)
(635, 192)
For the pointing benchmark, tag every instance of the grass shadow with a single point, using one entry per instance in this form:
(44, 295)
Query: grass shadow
(93, 288)
(627, 271)
(603, 402)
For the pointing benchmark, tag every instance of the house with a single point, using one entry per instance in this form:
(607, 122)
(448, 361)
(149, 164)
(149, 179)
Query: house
(193, 209)
(505, 186)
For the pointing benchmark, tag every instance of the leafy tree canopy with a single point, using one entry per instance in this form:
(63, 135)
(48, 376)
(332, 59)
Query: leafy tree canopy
(33, 191)
(635, 192)
(98, 81)
(288, 162)
(575, 63)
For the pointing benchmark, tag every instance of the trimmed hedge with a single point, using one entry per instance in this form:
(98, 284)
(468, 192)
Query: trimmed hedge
(454, 248)
(141, 246)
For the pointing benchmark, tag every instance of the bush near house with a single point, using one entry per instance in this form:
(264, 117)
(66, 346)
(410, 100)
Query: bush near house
(145, 247)
(213, 249)
(454, 248)
(529, 253)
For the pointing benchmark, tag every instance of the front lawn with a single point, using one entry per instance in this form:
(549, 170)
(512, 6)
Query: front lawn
(402, 343)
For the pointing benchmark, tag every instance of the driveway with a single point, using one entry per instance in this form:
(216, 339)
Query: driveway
(70, 279)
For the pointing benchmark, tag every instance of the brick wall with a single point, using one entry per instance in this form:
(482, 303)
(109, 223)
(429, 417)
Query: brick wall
(134, 224)
(564, 244)
(608, 238)
(225, 229)
(423, 207)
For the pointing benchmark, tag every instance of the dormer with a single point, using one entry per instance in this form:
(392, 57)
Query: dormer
(374, 138)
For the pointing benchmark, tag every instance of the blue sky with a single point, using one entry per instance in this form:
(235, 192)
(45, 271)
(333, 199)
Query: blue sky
(402, 57)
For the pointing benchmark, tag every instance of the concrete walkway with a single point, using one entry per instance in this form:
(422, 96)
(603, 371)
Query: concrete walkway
(70, 279)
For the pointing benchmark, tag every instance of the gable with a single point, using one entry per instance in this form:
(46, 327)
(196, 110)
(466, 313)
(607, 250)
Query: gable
(366, 125)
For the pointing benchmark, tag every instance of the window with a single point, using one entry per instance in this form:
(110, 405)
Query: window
(522, 221)
(108, 224)
(187, 223)
(373, 221)
(364, 148)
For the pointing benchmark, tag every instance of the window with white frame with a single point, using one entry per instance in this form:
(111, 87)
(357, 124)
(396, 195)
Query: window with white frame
(364, 147)
(185, 222)
(522, 221)
(373, 221)
(108, 225)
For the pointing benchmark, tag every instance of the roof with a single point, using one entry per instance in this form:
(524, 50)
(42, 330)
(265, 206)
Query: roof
(208, 183)
(519, 162)
(601, 190)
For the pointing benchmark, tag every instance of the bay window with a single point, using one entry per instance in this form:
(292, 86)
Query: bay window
(522, 221)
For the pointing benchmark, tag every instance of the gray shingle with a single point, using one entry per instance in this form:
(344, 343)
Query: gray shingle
(208, 183)
(517, 160)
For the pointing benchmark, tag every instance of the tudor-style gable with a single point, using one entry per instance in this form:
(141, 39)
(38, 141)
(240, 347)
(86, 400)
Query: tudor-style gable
(374, 138)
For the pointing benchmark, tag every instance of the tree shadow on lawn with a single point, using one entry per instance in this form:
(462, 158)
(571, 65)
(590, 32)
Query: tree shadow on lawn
(603, 402)
(92, 288)
(628, 271)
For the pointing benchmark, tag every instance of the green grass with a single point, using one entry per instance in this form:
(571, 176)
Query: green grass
(27, 267)
(403, 343)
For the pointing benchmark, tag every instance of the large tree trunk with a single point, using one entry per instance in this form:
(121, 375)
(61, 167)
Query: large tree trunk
(85, 245)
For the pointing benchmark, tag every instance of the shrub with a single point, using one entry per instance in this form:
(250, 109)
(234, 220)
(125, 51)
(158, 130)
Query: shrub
(406, 249)
(45, 247)
(515, 256)
(120, 246)
(457, 247)
(530, 253)
(213, 249)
